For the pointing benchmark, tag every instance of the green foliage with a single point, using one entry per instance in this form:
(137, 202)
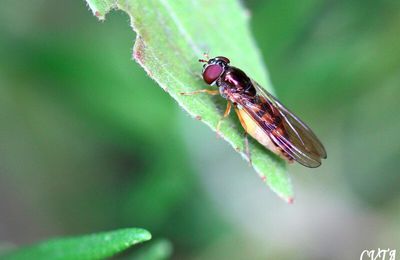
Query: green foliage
(95, 246)
(76, 156)
(172, 35)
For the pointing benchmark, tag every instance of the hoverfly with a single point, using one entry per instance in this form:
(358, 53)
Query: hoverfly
(262, 116)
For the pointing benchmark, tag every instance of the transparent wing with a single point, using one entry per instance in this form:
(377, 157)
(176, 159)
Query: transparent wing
(297, 140)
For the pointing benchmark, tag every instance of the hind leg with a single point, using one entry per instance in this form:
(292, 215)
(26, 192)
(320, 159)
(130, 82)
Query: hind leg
(247, 147)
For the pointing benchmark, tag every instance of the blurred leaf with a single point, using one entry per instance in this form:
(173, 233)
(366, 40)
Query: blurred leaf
(375, 182)
(96, 246)
(74, 94)
(157, 250)
(335, 46)
(285, 21)
(171, 36)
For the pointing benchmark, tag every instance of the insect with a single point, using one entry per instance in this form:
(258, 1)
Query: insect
(262, 116)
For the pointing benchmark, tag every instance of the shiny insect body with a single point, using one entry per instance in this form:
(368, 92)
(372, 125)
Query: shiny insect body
(262, 116)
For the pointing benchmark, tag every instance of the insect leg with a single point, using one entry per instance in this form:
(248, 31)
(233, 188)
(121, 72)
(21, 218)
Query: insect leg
(208, 91)
(226, 113)
(247, 147)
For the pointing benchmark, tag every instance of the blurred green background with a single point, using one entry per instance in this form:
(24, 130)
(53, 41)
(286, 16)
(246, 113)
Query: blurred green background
(89, 143)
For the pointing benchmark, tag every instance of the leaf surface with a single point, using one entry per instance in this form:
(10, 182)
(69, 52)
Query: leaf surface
(95, 246)
(170, 38)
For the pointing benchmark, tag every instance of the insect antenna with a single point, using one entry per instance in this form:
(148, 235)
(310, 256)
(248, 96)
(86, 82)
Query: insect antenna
(205, 54)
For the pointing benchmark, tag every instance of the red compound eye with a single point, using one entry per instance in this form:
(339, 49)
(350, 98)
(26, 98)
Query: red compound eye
(212, 73)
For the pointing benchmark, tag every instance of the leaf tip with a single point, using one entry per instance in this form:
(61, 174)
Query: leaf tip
(285, 195)
(144, 234)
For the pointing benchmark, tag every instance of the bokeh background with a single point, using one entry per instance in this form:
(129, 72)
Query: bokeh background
(89, 143)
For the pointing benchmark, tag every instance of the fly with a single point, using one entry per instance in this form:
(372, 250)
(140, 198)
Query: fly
(262, 116)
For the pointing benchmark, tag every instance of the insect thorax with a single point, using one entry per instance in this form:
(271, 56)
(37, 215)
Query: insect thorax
(235, 80)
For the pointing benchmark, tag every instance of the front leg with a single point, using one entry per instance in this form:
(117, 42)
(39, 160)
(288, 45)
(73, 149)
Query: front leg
(212, 92)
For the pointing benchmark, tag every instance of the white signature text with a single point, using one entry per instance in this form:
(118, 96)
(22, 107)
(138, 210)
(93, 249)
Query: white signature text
(380, 254)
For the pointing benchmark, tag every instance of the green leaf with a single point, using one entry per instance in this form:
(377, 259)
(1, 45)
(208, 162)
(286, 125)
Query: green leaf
(172, 35)
(95, 246)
